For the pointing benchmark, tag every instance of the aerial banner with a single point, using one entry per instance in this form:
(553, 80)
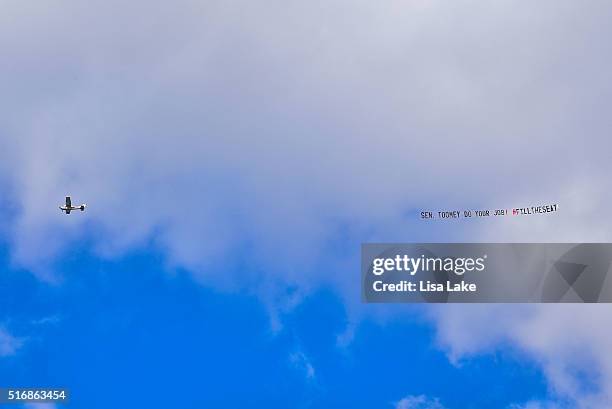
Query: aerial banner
(486, 273)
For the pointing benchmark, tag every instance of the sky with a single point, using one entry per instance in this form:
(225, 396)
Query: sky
(234, 156)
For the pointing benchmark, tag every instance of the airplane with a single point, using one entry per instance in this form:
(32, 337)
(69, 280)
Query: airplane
(68, 207)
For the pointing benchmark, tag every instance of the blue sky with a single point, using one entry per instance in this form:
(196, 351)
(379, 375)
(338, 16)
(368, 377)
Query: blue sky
(257, 145)
(126, 333)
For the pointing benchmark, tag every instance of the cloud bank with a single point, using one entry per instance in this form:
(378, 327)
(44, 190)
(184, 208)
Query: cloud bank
(277, 128)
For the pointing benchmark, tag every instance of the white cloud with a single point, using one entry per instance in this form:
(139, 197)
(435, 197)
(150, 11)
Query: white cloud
(40, 406)
(537, 405)
(418, 402)
(9, 344)
(424, 402)
(48, 320)
(300, 361)
(570, 342)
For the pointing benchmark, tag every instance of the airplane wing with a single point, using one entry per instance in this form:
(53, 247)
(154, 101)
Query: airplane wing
(68, 210)
(68, 201)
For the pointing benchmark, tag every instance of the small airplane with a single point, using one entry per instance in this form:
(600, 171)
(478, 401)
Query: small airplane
(68, 207)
